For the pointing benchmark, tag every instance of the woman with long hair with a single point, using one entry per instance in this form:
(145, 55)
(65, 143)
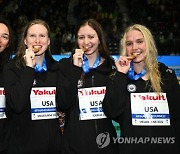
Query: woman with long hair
(143, 97)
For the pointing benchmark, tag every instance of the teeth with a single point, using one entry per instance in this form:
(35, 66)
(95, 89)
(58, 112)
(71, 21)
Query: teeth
(133, 56)
(36, 48)
(137, 53)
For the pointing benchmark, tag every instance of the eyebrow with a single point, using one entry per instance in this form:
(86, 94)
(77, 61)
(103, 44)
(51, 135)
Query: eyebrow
(85, 34)
(5, 34)
(136, 39)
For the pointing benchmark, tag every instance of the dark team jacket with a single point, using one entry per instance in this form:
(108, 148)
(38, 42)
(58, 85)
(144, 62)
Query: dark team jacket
(80, 135)
(116, 105)
(29, 136)
(3, 125)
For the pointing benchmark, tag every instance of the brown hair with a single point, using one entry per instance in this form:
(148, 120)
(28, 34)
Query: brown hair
(6, 55)
(103, 49)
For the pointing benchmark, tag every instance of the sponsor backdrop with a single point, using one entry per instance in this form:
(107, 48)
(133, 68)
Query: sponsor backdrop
(171, 61)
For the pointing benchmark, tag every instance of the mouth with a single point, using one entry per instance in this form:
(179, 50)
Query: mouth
(85, 49)
(133, 56)
(36, 48)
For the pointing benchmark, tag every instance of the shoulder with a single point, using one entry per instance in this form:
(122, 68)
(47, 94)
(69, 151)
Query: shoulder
(10, 64)
(164, 69)
(64, 62)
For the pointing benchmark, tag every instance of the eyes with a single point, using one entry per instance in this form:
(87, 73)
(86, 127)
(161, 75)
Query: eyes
(5, 37)
(81, 37)
(130, 43)
(34, 36)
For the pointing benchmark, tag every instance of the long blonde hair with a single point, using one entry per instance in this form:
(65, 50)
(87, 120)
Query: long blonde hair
(151, 63)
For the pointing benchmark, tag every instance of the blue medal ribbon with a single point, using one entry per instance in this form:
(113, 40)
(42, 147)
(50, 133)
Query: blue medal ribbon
(131, 73)
(85, 65)
(42, 68)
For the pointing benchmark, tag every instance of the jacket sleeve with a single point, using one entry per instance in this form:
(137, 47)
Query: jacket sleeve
(17, 85)
(175, 96)
(116, 96)
(66, 90)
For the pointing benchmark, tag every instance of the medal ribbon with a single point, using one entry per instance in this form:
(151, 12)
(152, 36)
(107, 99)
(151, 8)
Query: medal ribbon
(85, 65)
(131, 73)
(42, 68)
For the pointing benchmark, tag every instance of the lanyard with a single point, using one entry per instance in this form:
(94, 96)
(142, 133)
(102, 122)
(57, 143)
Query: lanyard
(42, 68)
(131, 73)
(85, 65)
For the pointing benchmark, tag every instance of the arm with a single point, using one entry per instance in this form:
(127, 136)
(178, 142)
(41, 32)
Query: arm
(175, 91)
(116, 95)
(66, 91)
(18, 86)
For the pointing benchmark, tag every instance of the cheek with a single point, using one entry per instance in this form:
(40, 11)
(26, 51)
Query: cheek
(28, 42)
(128, 50)
(5, 43)
(80, 43)
(144, 48)
(95, 43)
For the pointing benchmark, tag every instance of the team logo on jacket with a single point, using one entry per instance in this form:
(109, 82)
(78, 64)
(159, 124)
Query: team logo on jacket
(131, 87)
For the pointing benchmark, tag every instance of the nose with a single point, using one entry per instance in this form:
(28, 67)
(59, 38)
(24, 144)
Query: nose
(37, 39)
(134, 46)
(86, 40)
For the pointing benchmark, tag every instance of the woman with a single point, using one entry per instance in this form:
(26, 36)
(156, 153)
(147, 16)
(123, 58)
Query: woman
(143, 97)
(6, 49)
(80, 90)
(29, 82)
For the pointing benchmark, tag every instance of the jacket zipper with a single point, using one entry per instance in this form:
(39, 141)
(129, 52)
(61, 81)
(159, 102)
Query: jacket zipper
(95, 121)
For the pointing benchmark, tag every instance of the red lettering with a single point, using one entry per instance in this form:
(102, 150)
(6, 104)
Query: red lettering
(93, 92)
(148, 97)
(2, 92)
(44, 92)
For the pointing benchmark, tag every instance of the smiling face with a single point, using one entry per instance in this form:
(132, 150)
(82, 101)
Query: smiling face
(135, 43)
(88, 38)
(4, 37)
(37, 37)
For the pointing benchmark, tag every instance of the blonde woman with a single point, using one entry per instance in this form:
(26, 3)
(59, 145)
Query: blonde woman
(143, 96)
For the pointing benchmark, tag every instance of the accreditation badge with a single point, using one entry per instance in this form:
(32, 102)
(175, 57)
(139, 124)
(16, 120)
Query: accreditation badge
(150, 109)
(2, 104)
(43, 104)
(90, 103)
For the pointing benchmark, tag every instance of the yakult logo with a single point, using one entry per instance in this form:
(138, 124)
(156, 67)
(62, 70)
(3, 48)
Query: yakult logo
(44, 92)
(92, 92)
(2, 92)
(149, 97)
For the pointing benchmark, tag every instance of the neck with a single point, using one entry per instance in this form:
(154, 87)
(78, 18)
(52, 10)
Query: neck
(39, 59)
(92, 58)
(138, 67)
